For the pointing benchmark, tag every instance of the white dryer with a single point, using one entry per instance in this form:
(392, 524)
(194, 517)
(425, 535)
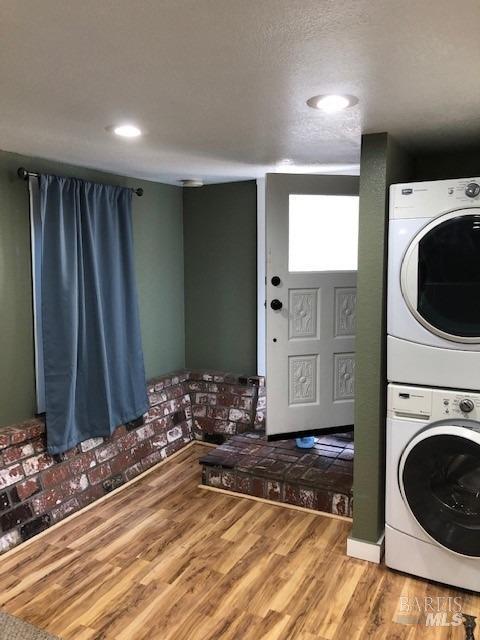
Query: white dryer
(433, 484)
(433, 322)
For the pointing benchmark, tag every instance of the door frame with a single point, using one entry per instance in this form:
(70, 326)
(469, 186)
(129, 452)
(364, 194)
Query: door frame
(261, 278)
(276, 188)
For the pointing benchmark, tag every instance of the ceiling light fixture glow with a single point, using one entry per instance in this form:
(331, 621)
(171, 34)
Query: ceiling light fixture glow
(332, 103)
(127, 131)
(191, 182)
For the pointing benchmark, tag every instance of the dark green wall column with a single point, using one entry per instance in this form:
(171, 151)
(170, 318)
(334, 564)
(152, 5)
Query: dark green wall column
(382, 163)
(220, 231)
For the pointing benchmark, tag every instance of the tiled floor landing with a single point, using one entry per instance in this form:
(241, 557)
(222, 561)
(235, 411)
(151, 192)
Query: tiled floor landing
(320, 478)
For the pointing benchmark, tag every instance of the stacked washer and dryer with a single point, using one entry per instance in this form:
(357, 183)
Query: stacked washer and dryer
(433, 366)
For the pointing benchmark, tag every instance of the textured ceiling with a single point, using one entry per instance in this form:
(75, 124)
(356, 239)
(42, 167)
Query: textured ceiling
(220, 85)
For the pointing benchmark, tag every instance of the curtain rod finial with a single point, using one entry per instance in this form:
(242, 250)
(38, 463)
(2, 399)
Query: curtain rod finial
(139, 191)
(22, 173)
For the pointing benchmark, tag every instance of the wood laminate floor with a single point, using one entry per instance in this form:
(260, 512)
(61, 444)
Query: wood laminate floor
(165, 560)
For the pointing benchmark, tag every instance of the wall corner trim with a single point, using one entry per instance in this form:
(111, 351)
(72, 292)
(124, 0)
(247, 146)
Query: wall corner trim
(364, 550)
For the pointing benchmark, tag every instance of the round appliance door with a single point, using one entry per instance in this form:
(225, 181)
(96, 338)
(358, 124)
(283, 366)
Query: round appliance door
(440, 276)
(439, 477)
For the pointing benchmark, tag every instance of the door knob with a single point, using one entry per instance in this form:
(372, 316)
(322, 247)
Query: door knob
(276, 304)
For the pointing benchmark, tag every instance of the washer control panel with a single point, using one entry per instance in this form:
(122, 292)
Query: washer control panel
(420, 403)
(456, 404)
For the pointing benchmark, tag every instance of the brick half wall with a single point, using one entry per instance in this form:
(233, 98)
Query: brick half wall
(37, 490)
(224, 405)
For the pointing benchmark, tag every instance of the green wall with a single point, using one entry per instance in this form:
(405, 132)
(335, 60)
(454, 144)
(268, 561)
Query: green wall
(158, 237)
(444, 165)
(220, 231)
(382, 163)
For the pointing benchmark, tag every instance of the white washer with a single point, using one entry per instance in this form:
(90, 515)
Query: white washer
(433, 322)
(433, 484)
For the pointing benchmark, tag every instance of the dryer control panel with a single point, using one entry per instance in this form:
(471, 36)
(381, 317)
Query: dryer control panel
(431, 199)
(420, 403)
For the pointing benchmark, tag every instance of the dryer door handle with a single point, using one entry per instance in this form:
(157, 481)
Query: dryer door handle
(409, 276)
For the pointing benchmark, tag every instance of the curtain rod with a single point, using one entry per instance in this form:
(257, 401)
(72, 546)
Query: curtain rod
(24, 175)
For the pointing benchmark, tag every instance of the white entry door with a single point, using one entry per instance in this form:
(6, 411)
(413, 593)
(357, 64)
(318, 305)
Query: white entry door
(311, 273)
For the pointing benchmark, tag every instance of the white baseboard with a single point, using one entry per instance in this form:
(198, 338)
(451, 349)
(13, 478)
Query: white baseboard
(363, 550)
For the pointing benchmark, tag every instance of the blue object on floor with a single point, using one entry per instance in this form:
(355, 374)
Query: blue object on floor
(305, 443)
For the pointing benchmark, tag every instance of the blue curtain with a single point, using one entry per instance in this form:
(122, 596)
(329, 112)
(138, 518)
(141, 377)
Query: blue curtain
(93, 360)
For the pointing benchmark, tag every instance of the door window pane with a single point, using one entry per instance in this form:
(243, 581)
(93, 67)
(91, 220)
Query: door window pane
(323, 233)
(449, 276)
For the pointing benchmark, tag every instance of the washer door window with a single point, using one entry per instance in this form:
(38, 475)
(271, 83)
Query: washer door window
(440, 276)
(439, 476)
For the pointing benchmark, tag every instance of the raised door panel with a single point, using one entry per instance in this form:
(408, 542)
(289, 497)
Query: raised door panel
(345, 311)
(303, 314)
(302, 379)
(344, 376)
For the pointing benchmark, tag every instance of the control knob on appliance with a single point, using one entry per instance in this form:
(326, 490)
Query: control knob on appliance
(466, 405)
(472, 189)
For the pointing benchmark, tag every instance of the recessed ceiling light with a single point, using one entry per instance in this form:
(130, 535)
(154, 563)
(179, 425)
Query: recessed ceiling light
(331, 103)
(127, 131)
